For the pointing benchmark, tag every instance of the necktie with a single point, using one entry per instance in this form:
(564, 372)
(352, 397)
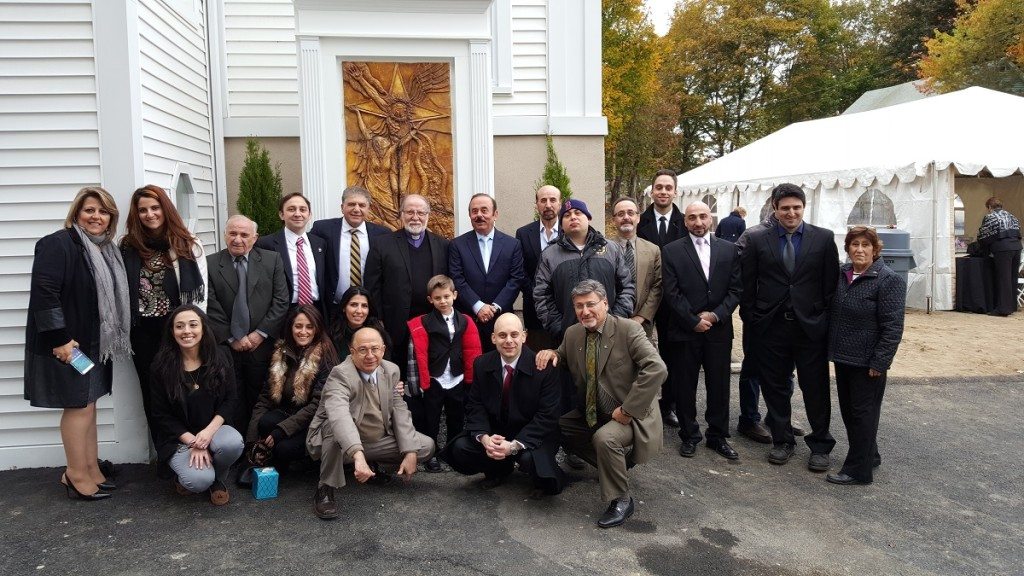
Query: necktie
(703, 252)
(789, 253)
(355, 269)
(240, 309)
(506, 387)
(305, 291)
(592, 379)
(631, 260)
(451, 326)
(485, 253)
(662, 230)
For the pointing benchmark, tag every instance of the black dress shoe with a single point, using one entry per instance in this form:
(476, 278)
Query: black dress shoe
(492, 482)
(574, 461)
(687, 449)
(323, 503)
(781, 453)
(433, 465)
(244, 478)
(844, 479)
(617, 512)
(670, 419)
(797, 430)
(107, 468)
(757, 432)
(724, 449)
(818, 462)
(380, 477)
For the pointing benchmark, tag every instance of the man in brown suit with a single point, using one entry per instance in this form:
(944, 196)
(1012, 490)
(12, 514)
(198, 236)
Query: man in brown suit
(643, 259)
(617, 372)
(362, 420)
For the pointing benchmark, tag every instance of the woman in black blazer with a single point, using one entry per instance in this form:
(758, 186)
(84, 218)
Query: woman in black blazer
(865, 329)
(193, 395)
(78, 303)
(166, 267)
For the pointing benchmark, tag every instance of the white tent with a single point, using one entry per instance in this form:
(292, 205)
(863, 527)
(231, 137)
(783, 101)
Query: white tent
(919, 154)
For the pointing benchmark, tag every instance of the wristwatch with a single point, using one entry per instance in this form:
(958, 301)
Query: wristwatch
(513, 448)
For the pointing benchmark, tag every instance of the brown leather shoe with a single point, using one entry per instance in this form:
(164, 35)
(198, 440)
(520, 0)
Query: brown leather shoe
(323, 503)
(757, 432)
(219, 494)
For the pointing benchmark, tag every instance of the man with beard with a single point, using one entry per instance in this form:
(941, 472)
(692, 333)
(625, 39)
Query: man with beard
(487, 267)
(643, 259)
(533, 239)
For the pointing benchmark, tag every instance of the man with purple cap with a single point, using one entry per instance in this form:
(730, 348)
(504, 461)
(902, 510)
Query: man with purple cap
(580, 253)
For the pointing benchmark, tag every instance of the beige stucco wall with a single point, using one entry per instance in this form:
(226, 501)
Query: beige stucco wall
(283, 152)
(519, 162)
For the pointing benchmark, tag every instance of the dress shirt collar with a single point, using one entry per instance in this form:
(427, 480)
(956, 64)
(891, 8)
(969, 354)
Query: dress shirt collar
(368, 378)
(291, 237)
(489, 236)
(345, 227)
(631, 241)
(658, 213)
(513, 364)
(706, 237)
(782, 230)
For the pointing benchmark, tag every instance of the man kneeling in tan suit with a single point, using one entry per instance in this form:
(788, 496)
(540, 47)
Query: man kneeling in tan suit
(362, 420)
(618, 373)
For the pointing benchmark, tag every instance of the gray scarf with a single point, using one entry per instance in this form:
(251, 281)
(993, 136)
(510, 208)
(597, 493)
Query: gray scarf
(107, 269)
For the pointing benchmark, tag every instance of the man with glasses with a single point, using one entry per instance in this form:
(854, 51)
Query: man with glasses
(362, 420)
(643, 259)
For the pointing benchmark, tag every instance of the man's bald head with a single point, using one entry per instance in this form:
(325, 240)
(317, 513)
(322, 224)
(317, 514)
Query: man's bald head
(367, 349)
(548, 199)
(697, 218)
(508, 336)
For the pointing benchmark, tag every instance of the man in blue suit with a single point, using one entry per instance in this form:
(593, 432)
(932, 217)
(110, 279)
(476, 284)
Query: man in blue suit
(487, 267)
(342, 268)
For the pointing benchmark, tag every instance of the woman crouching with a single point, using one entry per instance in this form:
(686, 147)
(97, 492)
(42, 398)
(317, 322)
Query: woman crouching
(193, 394)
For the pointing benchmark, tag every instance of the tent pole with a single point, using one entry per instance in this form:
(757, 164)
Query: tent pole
(935, 216)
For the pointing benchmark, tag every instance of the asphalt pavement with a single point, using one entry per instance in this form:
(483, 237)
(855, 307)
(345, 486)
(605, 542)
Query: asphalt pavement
(946, 500)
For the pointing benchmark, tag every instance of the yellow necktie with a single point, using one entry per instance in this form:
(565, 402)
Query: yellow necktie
(592, 379)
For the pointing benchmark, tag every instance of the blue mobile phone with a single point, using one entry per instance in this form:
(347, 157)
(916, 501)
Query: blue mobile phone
(80, 362)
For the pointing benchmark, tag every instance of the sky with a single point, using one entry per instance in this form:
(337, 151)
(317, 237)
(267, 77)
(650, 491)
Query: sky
(661, 11)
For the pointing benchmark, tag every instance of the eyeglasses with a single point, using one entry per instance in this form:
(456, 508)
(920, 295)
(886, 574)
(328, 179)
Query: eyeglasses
(411, 213)
(367, 350)
(622, 213)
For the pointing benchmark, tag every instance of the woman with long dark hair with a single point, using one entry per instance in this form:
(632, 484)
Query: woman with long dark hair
(193, 395)
(357, 311)
(302, 361)
(166, 268)
(78, 305)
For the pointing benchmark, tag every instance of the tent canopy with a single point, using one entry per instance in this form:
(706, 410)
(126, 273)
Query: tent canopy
(974, 129)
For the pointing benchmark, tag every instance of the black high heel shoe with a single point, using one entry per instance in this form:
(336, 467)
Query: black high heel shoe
(106, 485)
(69, 487)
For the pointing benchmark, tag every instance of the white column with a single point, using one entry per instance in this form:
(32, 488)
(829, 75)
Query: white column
(482, 127)
(311, 139)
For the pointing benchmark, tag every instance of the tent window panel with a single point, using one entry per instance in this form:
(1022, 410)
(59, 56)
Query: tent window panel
(185, 201)
(712, 201)
(766, 209)
(873, 208)
(959, 226)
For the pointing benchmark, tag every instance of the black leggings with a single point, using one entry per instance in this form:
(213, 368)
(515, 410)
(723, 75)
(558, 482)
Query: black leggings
(286, 449)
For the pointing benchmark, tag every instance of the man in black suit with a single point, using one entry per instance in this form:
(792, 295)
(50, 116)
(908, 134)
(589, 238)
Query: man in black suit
(248, 320)
(304, 275)
(701, 287)
(345, 266)
(486, 286)
(534, 238)
(397, 270)
(662, 223)
(790, 272)
(511, 415)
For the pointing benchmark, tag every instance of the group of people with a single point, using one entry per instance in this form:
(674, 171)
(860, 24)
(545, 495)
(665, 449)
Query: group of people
(348, 343)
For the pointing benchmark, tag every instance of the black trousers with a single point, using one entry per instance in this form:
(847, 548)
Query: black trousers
(250, 375)
(860, 402)
(782, 347)
(146, 335)
(287, 449)
(467, 456)
(452, 401)
(1004, 285)
(714, 357)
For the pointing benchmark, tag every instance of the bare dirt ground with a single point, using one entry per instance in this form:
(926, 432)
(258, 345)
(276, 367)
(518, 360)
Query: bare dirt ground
(951, 345)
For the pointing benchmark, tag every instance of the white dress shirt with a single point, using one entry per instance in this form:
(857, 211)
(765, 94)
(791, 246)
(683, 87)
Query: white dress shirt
(446, 380)
(344, 249)
(703, 248)
(544, 240)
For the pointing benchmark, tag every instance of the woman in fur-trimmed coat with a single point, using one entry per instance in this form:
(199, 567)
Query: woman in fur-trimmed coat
(302, 361)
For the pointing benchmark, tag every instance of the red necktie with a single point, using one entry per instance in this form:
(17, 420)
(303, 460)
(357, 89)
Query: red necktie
(305, 292)
(506, 388)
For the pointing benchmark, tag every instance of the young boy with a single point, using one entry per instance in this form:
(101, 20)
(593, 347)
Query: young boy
(442, 347)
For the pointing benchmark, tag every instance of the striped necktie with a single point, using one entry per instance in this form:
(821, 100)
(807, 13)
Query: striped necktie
(305, 290)
(355, 269)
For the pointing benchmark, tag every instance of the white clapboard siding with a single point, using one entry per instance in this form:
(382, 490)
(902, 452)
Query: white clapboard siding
(262, 71)
(49, 148)
(529, 95)
(177, 131)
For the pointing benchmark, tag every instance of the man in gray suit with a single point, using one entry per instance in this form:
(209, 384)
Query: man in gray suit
(615, 422)
(362, 420)
(249, 320)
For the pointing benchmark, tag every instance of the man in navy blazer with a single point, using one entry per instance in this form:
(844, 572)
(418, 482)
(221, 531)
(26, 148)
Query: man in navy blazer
(486, 286)
(533, 238)
(790, 274)
(700, 289)
(338, 233)
(295, 211)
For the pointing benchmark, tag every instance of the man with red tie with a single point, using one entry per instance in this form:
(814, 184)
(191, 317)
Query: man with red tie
(302, 254)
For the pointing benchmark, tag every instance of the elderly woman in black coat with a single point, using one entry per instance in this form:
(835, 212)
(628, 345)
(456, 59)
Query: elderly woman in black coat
(865, 329)
(78, 304)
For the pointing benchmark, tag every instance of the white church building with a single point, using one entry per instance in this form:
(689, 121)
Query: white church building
(123, 93)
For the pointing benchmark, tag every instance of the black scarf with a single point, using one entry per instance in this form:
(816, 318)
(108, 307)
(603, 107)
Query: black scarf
(190, 281)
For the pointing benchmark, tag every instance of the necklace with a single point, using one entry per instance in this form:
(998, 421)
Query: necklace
(195, 381)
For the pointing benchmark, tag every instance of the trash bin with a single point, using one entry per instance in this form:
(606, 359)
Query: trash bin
(896, 250)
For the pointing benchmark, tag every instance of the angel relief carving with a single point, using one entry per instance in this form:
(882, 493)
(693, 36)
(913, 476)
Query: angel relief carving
(399, 139)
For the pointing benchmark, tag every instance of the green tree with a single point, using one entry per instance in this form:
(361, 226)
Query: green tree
(554, 172)
(906, 25)
(985, 48)
(259, 188)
